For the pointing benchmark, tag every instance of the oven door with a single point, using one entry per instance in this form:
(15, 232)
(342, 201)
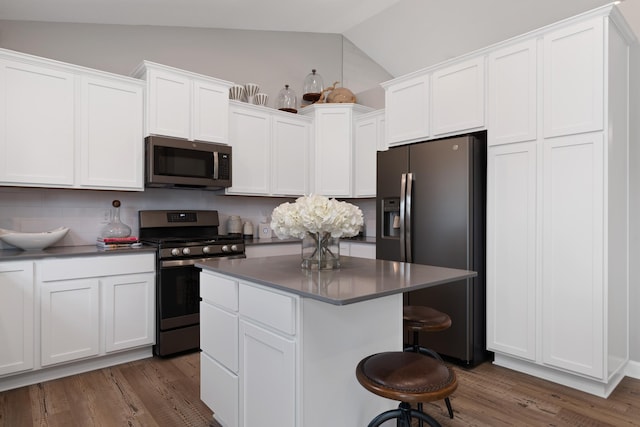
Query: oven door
(179, 296)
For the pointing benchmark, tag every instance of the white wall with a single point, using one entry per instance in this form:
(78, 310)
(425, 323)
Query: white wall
(268, 58)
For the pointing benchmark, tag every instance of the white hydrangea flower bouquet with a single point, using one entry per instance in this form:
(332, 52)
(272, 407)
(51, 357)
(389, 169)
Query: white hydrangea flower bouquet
(320, 222)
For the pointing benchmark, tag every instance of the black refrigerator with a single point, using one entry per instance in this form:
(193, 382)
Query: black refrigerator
(430, 209)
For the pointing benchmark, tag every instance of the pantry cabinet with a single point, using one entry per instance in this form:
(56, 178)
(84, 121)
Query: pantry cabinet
(183, 104)
(271, 151)
(557, 204)
(17, 314)
(87, 120)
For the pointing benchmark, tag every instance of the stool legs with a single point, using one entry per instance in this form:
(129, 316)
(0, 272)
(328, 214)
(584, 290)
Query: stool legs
(415, 347)
(404, 414)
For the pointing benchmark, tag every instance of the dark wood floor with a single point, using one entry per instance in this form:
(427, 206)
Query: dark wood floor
(164, 393)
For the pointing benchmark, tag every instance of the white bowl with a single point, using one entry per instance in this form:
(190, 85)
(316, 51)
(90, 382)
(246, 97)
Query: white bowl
(32, 241)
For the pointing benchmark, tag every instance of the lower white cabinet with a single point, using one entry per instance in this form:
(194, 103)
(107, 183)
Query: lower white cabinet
(70, 320)
(16, 316)
(359, 250)
(262, 250)
(267, 388)
(85, 312)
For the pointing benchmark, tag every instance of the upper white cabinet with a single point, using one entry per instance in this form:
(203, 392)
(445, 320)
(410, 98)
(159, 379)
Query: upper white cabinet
(407, 109)
(16, 316)
(369, 138)
(574, 67)
(184, 104)
(558, 204)
(88, 121)
(37, 123)
(271, 151)
(458, 97)
(512, 93)
(333, 154)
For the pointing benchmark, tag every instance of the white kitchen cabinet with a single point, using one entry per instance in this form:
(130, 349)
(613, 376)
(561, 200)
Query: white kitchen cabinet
(37, 119)
(267, 396)
(271, 151)
(574, 76)
(356, 249)
(407, 109)
(111, 134)
(369, 138)
(458, 100)
(558, 238)
(89, 121)
(250, 137)
(183, 104)
(93, 305)
(333, 157)
(16, 316)
(275, 249)
(511, 249)
(70, 320)
(290, 154)
(512, 93)
(128, 310)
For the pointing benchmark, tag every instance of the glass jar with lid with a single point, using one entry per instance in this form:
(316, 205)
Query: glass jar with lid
(313, 87)
(287, 100)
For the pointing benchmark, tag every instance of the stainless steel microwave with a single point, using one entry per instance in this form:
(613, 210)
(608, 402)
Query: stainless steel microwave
(180, 163)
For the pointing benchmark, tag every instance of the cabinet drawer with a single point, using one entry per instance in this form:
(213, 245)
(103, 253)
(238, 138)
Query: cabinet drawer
(219, 391)
(268, 307)
(221, 339)
(99, 266)
(219, 290)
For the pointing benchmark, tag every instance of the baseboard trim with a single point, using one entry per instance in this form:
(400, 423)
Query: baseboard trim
(633, 369)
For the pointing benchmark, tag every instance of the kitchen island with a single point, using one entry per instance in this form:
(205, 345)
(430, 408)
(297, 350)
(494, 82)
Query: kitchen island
(280, 344)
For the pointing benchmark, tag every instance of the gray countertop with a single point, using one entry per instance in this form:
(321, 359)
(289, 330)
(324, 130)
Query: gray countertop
(67, 251)
(358, 279)
(275, 240)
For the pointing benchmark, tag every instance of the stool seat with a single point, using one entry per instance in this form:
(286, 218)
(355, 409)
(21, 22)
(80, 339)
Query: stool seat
(406, 377)
(427, 319)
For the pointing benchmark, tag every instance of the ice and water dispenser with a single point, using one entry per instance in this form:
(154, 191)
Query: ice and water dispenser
(391, 217)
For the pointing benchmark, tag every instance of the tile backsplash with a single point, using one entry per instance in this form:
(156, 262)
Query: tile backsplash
(85, 212)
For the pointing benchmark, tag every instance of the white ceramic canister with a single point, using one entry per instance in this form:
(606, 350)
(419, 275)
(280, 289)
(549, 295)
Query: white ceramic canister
(247, 230)
(234, 225)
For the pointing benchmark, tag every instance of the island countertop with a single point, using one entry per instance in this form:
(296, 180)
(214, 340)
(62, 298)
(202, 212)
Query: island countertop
(358, 279)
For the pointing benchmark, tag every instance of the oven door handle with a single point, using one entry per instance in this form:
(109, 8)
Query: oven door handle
(192, 261)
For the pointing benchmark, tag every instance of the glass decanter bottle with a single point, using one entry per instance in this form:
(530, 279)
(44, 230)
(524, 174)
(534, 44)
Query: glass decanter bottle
(115, 227)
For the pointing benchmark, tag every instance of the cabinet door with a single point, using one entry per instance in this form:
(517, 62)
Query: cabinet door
(249, 135)
(511, 249)
(291, 142)
(210, 112)
(333, 151)
(111, 140)
(129, 310)
(169, 105)
(36, 125)
(574, 79)
(572, 254)
(458, 97)
(16, 317)
(367, 133)
(69, 320)
(513, 94)
(267, 396)
(407, 110)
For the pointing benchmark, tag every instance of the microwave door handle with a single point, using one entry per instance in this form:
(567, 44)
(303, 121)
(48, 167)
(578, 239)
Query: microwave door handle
(216, 168)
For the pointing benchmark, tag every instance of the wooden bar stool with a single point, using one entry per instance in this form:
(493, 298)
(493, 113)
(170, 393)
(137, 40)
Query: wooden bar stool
(409, 378)
(418, 319)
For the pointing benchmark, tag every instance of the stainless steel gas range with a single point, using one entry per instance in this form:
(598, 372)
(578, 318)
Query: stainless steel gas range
(182, 238)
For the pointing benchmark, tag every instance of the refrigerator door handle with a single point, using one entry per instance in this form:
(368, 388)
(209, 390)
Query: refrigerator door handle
(407, 217)
(403, 194)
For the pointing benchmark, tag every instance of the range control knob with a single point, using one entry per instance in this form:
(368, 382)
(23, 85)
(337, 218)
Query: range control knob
(206, 250)
(186, 251)
(225, 248)
(175, 252)
(234, 248)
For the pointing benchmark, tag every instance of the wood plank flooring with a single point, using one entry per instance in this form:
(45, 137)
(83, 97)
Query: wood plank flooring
(165, 393)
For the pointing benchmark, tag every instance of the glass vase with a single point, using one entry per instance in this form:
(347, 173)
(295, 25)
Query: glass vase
(320, 251)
